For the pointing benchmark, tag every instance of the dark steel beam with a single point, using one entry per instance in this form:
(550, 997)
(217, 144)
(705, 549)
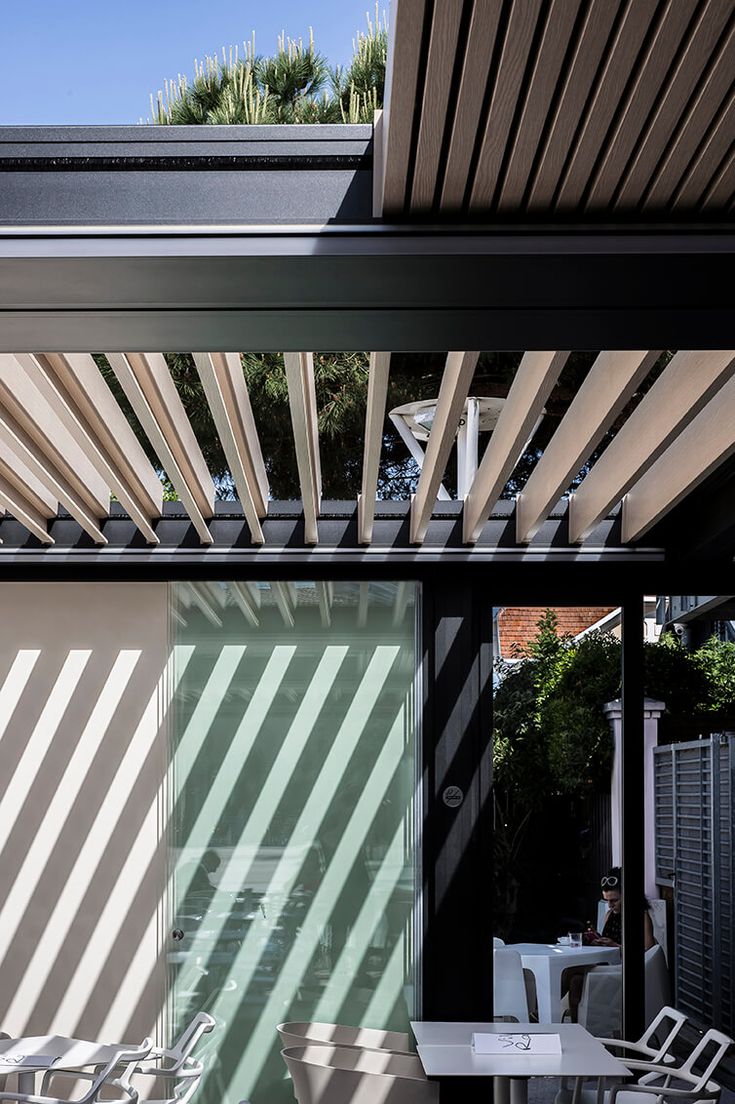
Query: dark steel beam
(632, 815)
(399, 289)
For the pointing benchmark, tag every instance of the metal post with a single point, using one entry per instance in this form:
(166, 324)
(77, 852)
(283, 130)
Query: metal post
(633, 816)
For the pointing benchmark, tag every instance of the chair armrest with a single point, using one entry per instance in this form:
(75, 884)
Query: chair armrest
(663, 1092)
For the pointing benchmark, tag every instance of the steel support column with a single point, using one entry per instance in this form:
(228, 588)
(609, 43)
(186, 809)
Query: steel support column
(633, 815)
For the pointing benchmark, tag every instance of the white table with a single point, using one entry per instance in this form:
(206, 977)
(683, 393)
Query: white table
(67, 1054)
(547, 962)
(445, 1050)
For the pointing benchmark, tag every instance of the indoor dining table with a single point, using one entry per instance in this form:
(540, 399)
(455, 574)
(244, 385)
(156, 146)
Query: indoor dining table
(445, 1050)
(547, 962)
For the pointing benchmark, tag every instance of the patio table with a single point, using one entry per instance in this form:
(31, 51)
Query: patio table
(52, 1052)
(445, 1050)
(547, 962)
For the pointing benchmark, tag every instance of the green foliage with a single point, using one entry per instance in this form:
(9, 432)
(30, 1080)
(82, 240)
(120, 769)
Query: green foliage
(293, 85)
(673, 676)
(715, 661)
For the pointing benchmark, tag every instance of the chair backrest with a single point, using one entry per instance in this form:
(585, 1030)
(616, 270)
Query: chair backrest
(509, 988)
(658, 1037)
(301, 1032)
(720, 1044)
(348, 1075)
(171, 1059)
(656, 981)
(498, 942)
(125, 1057)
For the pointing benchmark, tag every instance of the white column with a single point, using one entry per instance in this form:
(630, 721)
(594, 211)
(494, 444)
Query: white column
(652, 712)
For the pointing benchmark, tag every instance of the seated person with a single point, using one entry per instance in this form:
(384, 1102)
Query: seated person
(610, 936)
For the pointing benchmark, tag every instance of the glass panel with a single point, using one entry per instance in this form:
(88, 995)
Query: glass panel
(293, 848)
(556, 818)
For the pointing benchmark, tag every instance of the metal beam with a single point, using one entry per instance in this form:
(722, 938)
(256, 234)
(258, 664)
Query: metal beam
(611, 381)
(302, 400)
(532, 384)
(150, 390)
(282, 288)
(456, 381)
(227, 394)
(699, 449)
(684, 387)
(374, 419)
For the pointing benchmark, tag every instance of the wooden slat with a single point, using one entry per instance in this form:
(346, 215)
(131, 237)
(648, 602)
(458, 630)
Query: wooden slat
(456, 380)
(699, 176)
(403, 592)
(685, 386)
(583, 67)
(650, 77)
(25, 482)
(443, 41)
(719, 194)
(285, 603)
(302, 400)
(483, 29)
(532, 384)
(95, 406)
(150, 390)
(363, 604)
(699, 57)
(620, 60)
(701, 115)
(374, 421)
(402, 76)
(44, 379)
(248, 599)
(544, 77)
(202, 599)
(515, 53)
(50, 438)
(14, 437)
(224, 386)
(609, 384)
(700, 448)
(22, 508)
(325, 597)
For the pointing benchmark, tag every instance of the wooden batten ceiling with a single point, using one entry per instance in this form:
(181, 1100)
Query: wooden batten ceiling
(541, 109)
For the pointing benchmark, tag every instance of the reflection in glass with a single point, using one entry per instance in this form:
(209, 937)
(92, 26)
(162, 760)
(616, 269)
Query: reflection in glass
(293, 846)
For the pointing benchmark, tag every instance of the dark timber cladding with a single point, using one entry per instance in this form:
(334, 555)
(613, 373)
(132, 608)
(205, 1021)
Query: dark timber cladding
(576, 109)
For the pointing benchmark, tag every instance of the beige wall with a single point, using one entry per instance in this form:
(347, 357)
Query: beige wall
(82, 771)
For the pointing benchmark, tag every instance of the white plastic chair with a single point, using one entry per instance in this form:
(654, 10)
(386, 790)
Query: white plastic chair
(510, 1000)
(302, 1033)
(123, 1058)
(600, 1006)
(349, 1075)
(661, 1083)
(498, 942)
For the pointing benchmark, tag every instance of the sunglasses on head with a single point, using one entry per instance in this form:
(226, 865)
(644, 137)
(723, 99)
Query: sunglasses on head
(609, 881)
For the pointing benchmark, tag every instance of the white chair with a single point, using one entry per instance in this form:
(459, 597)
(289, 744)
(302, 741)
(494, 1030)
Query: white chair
(510, 1000)
(348, 1075)
(654, 1046)
(498, 942)
(302, 1033)
(109, 1075)
(600, 1007)
(664, 1084)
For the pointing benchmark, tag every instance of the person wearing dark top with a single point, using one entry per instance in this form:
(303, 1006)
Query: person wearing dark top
(611, 934)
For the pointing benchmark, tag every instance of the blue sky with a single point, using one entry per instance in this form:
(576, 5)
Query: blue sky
(96, 61)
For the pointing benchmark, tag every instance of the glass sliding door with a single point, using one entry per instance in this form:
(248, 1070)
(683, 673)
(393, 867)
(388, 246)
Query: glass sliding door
(293, 846)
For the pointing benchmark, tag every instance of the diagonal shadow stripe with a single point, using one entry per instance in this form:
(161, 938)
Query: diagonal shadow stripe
(321, 907)
(281, 773)
(15, 683)
(93, 850)
(33, 867)
(146, 839)
(388, 989)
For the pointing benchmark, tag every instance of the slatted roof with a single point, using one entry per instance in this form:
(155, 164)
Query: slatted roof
(548, 109)
(66, 442)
